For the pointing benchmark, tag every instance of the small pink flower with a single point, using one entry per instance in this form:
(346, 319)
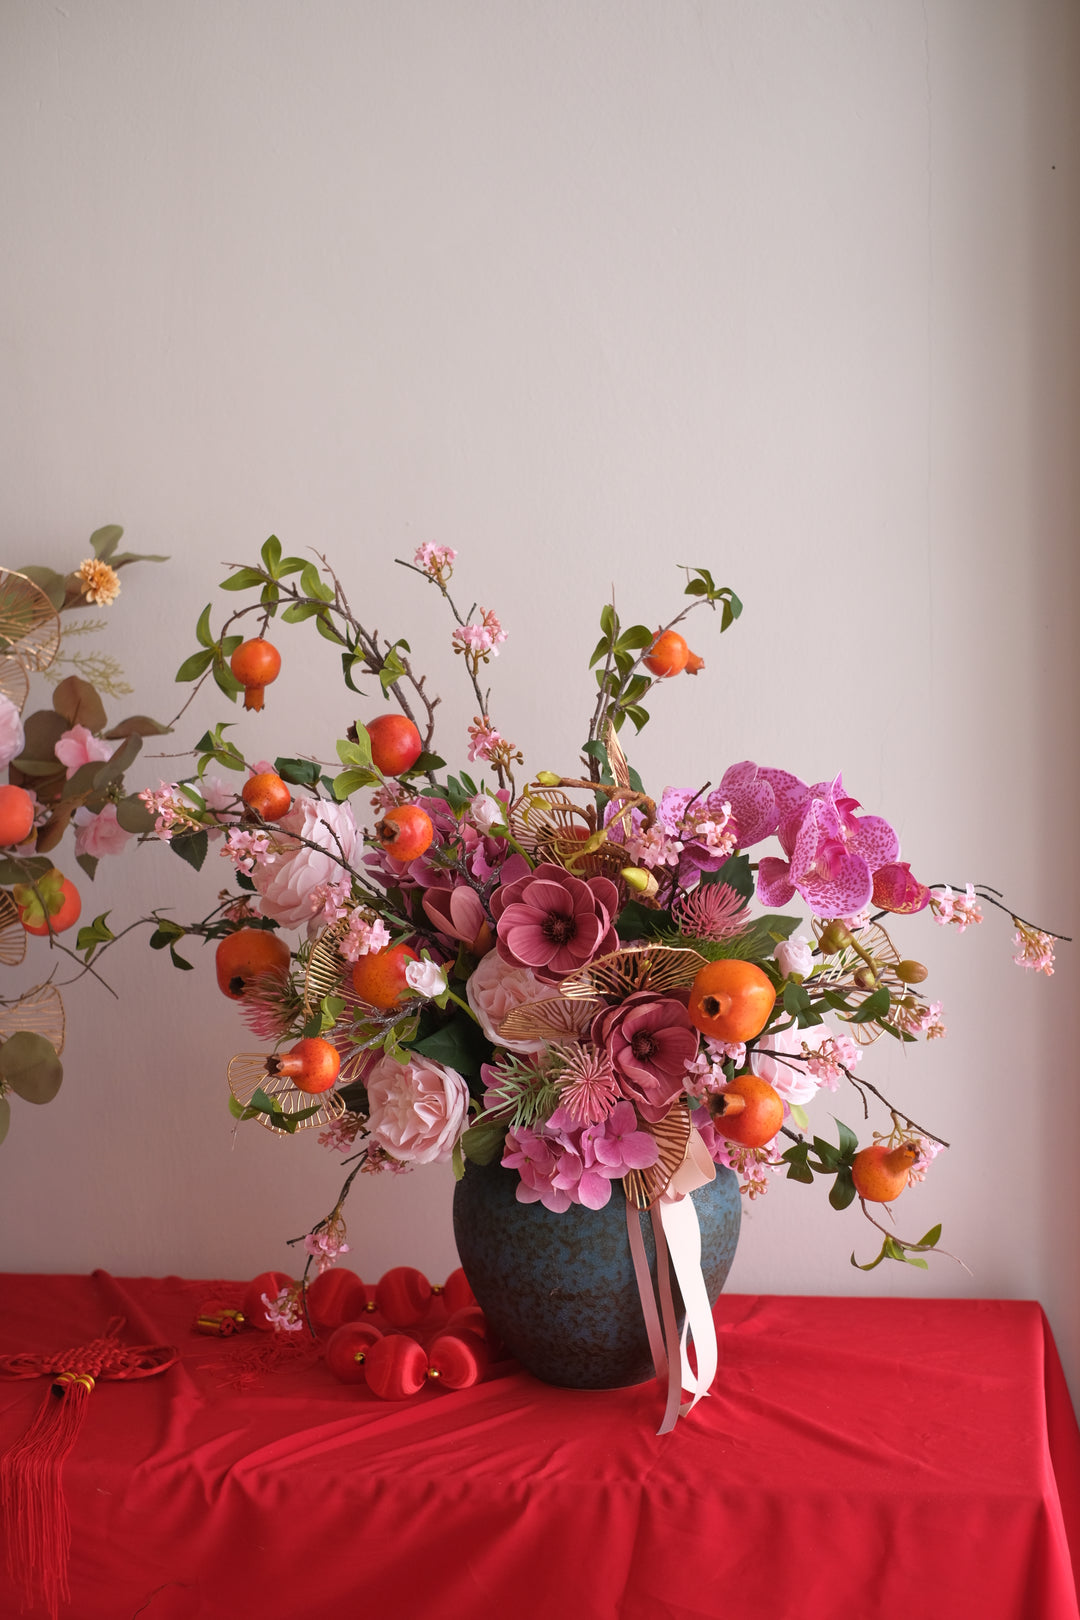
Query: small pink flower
(961, 909)
(325, 1247)
(246, 850)
(795, 956)
(331, 901)
(483, 739)
(1034, 949)
(80, 747)
(283, 1311)
(341, 1133)
(101, 834)
(436, 561)
(928, 1152)
(363, 938)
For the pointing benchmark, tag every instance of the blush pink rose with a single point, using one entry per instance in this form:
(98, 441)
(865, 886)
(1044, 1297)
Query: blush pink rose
(101, 834)
(80, 747)
(287, 876)
(495, 989)
(12, 736)
(417, 1110)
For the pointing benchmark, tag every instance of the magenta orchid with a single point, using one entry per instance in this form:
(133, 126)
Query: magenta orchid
(832, 854)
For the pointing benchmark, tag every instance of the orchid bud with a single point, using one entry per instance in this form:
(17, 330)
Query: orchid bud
(865, 978)
(911, 972)
(640, 880)
(548, 778)
(835, 938)
(895, 889)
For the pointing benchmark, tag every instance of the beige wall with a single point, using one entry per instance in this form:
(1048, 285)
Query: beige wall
(584, 290)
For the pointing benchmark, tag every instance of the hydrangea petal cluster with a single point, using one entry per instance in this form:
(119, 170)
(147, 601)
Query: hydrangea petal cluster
(832, 854)
(560, 1163)
(554, 923)
(290, 871)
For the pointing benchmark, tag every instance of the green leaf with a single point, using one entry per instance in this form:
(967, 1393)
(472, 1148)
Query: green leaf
(842, 1191)
(28, 870)
(30, 1066)
(244, 579)
(112, 770)
(227, 681)
(482, 1142)
(599, 651)
(48, 580)
(89, 864)
(875, 1006)
(298, 612)
(349, 660)
(191, 847)
(103, 542)
(849, 1142)
(196, 665)
(350, 782)
(80, 704)
(271, 556)
(311, 584)
(609, 621)
(300, 772)
(799, 1115)
(290, 565)
(137, 725)
(180, 961)
(393, 669)
(737, 873)
(795, 999)
(326, 629)
(929, 1240)
(637, 714)
(133, 816)
(635, 639)
(460, 1044)
(355, 754)
(203, 633)
(636, 921)
(94, 934)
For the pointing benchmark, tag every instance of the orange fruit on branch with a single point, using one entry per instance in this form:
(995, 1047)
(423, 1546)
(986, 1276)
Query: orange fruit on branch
(748, 1111)
(379, 978)
(396, 744)
(731, 1000)
(267, 795)
(405, 832)
(16, 815)
(312, 1065)
(242, 956)
(880, 1173)
(52, 886)
(255, 664)
(668, 655)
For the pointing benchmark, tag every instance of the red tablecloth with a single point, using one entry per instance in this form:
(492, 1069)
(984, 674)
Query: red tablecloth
(861, 1458)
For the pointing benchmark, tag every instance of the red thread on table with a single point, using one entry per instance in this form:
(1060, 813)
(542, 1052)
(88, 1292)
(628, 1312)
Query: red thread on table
(31, 1471)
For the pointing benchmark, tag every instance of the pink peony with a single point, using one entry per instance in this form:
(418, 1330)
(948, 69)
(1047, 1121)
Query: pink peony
(80, 747)
(495, 989)
(289, 873)
(12, 736)
(417, 1110)
(650, 1040)
(100, 834)
(554, 923)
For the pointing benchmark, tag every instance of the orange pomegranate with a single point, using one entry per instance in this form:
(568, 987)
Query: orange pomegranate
(880, 1173)
(395, 743)
(694, 664)
(747, 1111)
(312, 1065)
(405, 832)
(51, 886)
(244, 955)
(731, 1000)
(379, 978)
(267, 795)
(668, 655)
(255, 664)
(16, 815)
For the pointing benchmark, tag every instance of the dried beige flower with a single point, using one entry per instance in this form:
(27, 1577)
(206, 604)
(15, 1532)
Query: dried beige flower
(100, 583)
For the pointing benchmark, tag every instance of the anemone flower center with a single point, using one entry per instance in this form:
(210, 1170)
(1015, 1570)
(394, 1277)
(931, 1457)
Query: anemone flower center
(558, 928)
(643, 1045)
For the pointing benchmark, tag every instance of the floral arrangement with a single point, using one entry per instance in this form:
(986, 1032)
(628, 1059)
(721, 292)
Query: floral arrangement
(561, 973)
(65, 771)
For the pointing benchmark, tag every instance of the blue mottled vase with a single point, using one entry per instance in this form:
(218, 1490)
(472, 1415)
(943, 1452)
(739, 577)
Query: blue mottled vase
(560, 1290)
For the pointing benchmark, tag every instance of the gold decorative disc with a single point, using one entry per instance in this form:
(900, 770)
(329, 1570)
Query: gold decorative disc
(554, 1019)
(877, 944)
(551, 827)
(14, 681)
(12, 932)
(247, 1074)
(326, 966)
(41, 1011)
(29, 624)
(644, 1188)
(635, 967)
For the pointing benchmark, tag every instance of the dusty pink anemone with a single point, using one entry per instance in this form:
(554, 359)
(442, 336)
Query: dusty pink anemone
(554, 923)
(650, 1040)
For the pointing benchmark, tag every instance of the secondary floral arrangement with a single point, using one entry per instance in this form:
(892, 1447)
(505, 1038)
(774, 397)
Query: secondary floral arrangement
(560, 972)
(65, 771)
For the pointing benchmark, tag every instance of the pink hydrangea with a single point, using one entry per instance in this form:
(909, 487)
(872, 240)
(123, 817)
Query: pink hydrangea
(416, 1110)
(289, 873)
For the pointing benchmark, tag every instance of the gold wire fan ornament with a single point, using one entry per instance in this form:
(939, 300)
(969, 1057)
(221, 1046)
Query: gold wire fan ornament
(659, 968)
(247, 1075)
(326, 966)
(14, 681)
(29, 624)
(644, 1188)
(879, 947)
(551, 827)
(554, 1019)
(41, 1012)
(12, 932)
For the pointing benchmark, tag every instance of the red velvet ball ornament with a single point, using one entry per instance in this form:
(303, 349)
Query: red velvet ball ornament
(471, 1319)
(337, 1296)
(460, 1359)
(396, 1367)
(456, 1292)
(403, 1296)
(348, 1349)
(269, 1283)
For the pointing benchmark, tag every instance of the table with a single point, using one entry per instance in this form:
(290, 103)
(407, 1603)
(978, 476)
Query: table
(885, 1459)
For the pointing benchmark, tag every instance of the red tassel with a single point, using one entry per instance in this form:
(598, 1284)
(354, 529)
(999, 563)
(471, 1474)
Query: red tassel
(32, 1494)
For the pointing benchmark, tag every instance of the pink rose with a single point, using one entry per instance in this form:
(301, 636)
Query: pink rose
(80, 747)
(289, 873)
(101, 834)
(417, 1110)
(12, 736)
(493, 992)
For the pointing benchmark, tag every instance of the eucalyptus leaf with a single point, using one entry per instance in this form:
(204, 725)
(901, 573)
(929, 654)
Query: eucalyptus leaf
(133, 816)
(104, 541)
(30, 1066)
(80, 704)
